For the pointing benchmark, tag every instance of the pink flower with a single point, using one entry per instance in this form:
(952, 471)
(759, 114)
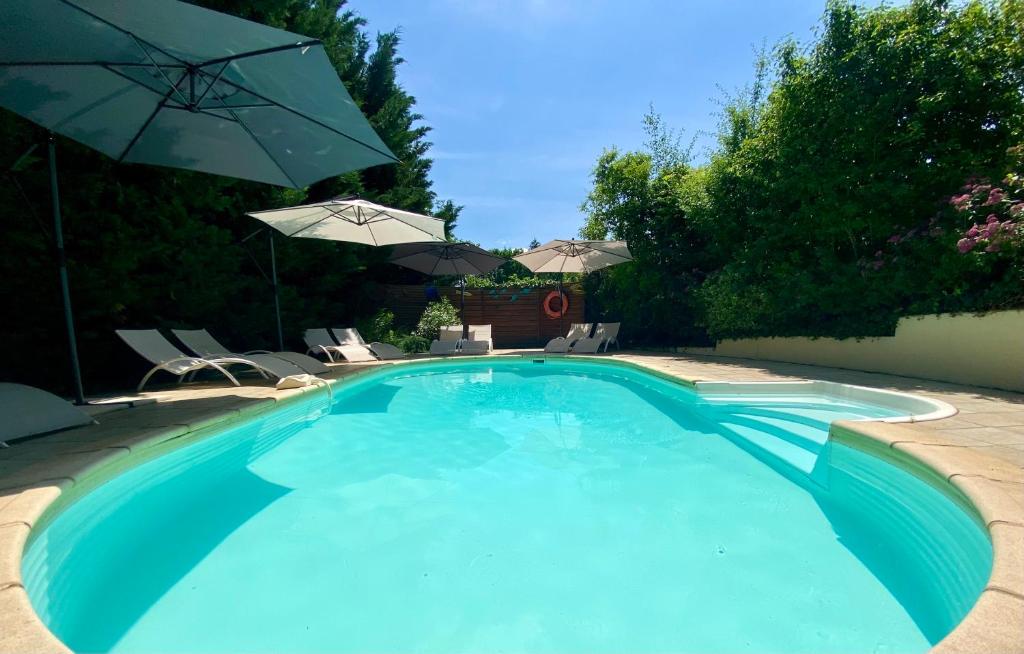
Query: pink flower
(992, 247)
(996, 196)
(992, 229)
(960, 202)
(992, 218)
(973, 232)
(1017, 209)
(965, 245)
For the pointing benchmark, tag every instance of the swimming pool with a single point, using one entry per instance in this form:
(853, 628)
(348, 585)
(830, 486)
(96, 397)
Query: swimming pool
(563, 506)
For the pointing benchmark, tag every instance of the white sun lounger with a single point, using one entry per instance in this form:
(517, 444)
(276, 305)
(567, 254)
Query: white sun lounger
(386, 351)
(320, 341)
(351, 345)
(440, 347)
(28, 411)
(607, 333)
(480, 334)
(586, 345)
(348, 336)
(473, 347)
(562, 344)
(151, 345)
(205, 345)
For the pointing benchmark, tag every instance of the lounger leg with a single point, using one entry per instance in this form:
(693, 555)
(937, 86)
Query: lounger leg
(150, 374)
(330, 357)
(228, 374)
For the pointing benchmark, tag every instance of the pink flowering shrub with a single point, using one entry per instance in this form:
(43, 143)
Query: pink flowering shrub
(994, 215)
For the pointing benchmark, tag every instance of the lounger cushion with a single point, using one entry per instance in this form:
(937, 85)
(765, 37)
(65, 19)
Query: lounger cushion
(356, 353)
(348, 336)
(28, 411)
(304, 361)
(586, 345)
(443, 347)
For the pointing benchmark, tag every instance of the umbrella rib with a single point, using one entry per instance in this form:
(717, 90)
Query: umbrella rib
(174, 87)
(255, 140)
(135, 139)
(256, 53)
(389, 155)
(210, 84)
(332, 214)
(104, 64)
(437, 263)
(310, 225)
(122, 30)
(407, 223)
(108, 68)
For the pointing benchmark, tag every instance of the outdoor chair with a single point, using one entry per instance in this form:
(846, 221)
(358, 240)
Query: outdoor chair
(386, 351)
(474, 347)
(319, 340)
(480, 334)
(151, 345)
(205, 345)
(348, 336)
(607, 333)
(587, 345)
(28, 411)
(562, 344)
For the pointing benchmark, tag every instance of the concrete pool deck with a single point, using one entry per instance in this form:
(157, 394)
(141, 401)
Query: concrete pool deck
(977, 454)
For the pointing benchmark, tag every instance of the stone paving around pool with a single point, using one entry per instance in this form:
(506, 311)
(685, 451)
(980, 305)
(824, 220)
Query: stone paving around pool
(978, 453)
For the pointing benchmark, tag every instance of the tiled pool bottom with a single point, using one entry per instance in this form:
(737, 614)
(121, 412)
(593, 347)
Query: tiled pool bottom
(581, 508)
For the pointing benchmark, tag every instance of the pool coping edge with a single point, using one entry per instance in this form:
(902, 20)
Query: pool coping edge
(988, 626)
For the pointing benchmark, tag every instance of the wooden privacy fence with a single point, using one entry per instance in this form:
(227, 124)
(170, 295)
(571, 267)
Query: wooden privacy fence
(516, 315)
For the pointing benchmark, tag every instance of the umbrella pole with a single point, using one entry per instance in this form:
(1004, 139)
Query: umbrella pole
(273, 282)
(62, 263)
(562, 301)
(462, 307)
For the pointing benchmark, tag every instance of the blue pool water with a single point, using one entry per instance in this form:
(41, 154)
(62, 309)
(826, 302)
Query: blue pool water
(482, 506)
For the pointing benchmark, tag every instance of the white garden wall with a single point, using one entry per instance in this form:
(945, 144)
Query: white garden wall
(980, 350)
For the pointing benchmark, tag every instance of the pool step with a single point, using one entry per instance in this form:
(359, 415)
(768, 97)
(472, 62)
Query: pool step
(794, 443)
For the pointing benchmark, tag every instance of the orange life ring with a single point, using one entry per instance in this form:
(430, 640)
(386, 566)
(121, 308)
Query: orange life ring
(552, 313)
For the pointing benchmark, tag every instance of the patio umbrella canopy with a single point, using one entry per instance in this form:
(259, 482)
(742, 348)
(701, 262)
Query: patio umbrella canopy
(561, 256)
(170, 84)
(437, 259)
(355, 221)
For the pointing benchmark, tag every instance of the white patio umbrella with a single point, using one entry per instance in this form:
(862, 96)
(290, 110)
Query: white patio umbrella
(353, 220)
(348, 219)
(438, 259)
(561, 256)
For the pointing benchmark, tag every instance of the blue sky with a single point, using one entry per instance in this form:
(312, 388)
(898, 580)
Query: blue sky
(523, 95)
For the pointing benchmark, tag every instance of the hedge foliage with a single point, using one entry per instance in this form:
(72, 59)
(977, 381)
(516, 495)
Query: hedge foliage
(825, 208)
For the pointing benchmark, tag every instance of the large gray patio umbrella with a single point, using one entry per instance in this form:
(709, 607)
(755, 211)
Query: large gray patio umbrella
(437, 259)
(348, 219)
(561, 256)
(170, 84)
